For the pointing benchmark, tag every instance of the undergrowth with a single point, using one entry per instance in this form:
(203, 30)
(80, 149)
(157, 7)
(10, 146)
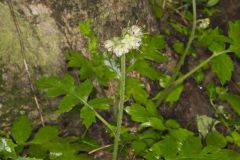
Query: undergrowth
(130, 60)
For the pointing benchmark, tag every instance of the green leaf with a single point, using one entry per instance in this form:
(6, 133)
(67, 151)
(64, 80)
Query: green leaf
(166, 148)
(222, 66)
(234, 34)
(211, 88)
(93, 44)
(87, 144)
(150, 134)
(52, 84)
(37, 151)
(175, 94)
(164, 81)
(84, 89)
(138, 146)
(45, 134)
(156, 123)
(180, 134)
(85, 28)
(55, 86)
(170, 123)
(213, 39)
(47, 82)
(180, 28)
(138, 113)
(67, 103)
(226, 154)
(145, 69)
(216, 139)
(217, 47)
(94, 68)
(88, 116)
(235, 138)
(61, 149)
(84, 157)
(66, 86)
(212, 3)
(21, 129)
(199, 76)
(233, 100)
(151, 47)
(152, 108)
(178, 47)
(100, 103)
(24, 158)
(7, 148)
(191, 147)
(136, 89)
(76, 59)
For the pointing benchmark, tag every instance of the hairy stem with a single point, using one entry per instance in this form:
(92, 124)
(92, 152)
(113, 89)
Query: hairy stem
(120, 109)
(169, 87)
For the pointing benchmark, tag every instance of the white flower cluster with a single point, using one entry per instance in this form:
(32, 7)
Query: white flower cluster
(204, 23)
(131, 39)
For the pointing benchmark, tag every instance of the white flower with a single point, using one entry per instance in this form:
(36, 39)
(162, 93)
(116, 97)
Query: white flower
(204, 23)
(120, 49)
(109, 45)
(131, 39)
(136, 31)
(132, 42)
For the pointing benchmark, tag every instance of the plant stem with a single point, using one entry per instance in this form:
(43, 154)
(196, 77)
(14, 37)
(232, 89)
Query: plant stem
(184, 77)
(202, 64)
(109, 126)
(120, 108)
(182, 59)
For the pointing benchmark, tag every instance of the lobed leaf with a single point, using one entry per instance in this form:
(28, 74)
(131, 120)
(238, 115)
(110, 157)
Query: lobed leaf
(45, 134)
(222, 66)
(100, 103)
(138, 113)
(88, 116)
(234, 34)
(21, 129)
(233, 100)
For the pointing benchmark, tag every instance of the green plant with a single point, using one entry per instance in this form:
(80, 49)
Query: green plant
(143, 109)
(45, 144)
(130, 62)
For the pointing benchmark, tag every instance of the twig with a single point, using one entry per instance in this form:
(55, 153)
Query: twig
(22, 51)
(100, 148)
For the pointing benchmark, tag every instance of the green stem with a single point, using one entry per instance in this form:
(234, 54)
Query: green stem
(109, 126)
(120, 108)
(184, 77)
(168, 88)
(202, 64)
